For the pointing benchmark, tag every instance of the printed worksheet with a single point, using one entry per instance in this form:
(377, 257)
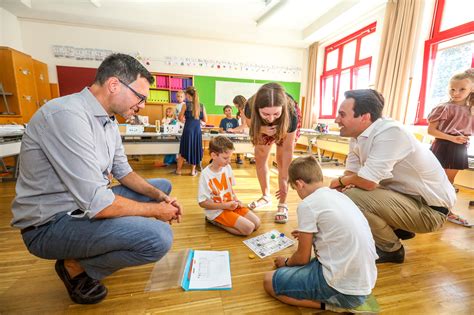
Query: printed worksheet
(210, 270)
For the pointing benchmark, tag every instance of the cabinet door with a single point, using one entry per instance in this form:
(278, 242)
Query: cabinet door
(42, 82)
(10, 120)
(26, 86)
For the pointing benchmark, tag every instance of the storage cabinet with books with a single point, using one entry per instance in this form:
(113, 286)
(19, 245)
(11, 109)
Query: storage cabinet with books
(163, 94)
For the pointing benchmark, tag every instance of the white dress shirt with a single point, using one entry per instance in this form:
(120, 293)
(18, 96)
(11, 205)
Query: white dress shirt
(389, 155)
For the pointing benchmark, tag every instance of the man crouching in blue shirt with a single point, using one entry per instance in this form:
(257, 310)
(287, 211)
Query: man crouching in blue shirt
(64, 206)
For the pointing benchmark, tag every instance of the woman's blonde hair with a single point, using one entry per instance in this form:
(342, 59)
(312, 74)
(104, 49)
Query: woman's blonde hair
(191, 91)
(467, 74)
(270, 95)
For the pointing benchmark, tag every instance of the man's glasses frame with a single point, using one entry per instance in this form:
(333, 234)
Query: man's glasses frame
(139, 95)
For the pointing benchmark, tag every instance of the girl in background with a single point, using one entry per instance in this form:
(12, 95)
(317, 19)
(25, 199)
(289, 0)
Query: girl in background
(169, 119)
(452, 124)
(190, 147)
(180, 98)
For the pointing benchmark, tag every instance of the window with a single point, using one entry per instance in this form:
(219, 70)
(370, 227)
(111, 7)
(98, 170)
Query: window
(346, 66)
(450, 49)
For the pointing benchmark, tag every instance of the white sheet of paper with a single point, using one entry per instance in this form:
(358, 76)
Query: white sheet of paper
(210, 269)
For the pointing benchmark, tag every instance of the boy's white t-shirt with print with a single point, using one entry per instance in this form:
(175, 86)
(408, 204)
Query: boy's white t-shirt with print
(342, 240)
(216, 186)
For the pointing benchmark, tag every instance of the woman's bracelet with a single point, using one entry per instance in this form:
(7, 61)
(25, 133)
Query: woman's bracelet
(286, 262)
(340, 181)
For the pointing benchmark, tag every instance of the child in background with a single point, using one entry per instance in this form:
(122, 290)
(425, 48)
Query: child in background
(216, 195)
(169, 119)
(451, 124)
(228, 124)
(239, 101)
(190, 146)
(180, 98)
(343, 274)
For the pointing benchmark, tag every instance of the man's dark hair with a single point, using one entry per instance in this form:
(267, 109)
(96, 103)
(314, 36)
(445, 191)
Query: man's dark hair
(366, 101)
(124, 67)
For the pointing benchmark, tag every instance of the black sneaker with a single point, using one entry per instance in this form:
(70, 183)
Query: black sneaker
(239, 161)
(404, 235)
(82, 289)
(397, 256)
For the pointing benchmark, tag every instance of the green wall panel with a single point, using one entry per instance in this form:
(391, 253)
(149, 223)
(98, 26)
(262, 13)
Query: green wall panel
(206, 87)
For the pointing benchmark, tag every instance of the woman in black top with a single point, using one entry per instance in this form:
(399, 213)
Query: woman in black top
(273, 117)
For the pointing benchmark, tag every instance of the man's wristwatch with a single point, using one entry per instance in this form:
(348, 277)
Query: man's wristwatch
(340, 181)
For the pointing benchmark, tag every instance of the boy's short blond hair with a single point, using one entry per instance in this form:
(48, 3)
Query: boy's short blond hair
(180, 92)
(305, 168)
(220, 144)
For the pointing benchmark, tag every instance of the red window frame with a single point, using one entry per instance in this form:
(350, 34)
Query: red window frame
(336, 72)
(431, 49)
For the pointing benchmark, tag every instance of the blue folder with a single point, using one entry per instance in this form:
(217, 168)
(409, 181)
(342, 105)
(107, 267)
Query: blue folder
(187, 277)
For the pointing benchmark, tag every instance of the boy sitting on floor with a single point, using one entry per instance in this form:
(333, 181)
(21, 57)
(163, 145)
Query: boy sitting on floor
(343, 274)
(216, 195)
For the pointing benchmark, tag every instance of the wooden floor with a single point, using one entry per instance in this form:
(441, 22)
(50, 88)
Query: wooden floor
(436, 278)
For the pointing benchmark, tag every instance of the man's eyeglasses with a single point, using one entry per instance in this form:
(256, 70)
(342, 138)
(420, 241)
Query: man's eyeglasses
(139, 95)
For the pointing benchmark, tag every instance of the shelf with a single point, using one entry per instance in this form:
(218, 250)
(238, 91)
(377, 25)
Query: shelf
(6, 94)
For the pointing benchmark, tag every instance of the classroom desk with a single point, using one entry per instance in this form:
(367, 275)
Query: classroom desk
(10, 144)
(151, 143)
(331, 142)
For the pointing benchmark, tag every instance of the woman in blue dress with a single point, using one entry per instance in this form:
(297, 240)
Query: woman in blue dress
(190, 147)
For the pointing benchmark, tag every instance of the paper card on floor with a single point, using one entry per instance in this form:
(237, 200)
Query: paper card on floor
(207, 270)
(269, 243)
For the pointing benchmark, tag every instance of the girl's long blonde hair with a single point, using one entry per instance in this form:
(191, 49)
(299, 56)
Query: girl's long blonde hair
(191, 91)
(270, 95)
(467, 74)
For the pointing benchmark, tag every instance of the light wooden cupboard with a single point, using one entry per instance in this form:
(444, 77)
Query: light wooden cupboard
(26, 85)
(42, 82)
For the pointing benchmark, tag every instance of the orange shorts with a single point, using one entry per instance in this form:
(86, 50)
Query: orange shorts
(229, 217)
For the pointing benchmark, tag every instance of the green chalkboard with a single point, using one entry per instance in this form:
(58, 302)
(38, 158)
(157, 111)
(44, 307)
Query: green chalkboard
(206, 87)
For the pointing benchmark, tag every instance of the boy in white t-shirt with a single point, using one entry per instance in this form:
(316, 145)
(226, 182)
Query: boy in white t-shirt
(216, 195)
(343, 274)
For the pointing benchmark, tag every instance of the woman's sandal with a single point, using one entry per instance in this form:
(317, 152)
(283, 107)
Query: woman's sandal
(82, 289)
(282, 212)
(260, 202)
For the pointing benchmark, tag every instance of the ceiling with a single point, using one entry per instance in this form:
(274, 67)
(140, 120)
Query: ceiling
(291, 23)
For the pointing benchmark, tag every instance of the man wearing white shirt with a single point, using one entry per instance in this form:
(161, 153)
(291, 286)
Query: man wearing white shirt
(397, 183)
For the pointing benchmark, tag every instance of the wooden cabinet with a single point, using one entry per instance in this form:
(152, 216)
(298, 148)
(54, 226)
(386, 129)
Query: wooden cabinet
(20, 79)
(42, 82)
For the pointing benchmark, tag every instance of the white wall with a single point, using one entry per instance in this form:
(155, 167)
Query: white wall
(10, 31)
(38, 39)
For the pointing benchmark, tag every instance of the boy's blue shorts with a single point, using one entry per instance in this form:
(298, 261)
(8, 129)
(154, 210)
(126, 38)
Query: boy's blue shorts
(307, 283)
